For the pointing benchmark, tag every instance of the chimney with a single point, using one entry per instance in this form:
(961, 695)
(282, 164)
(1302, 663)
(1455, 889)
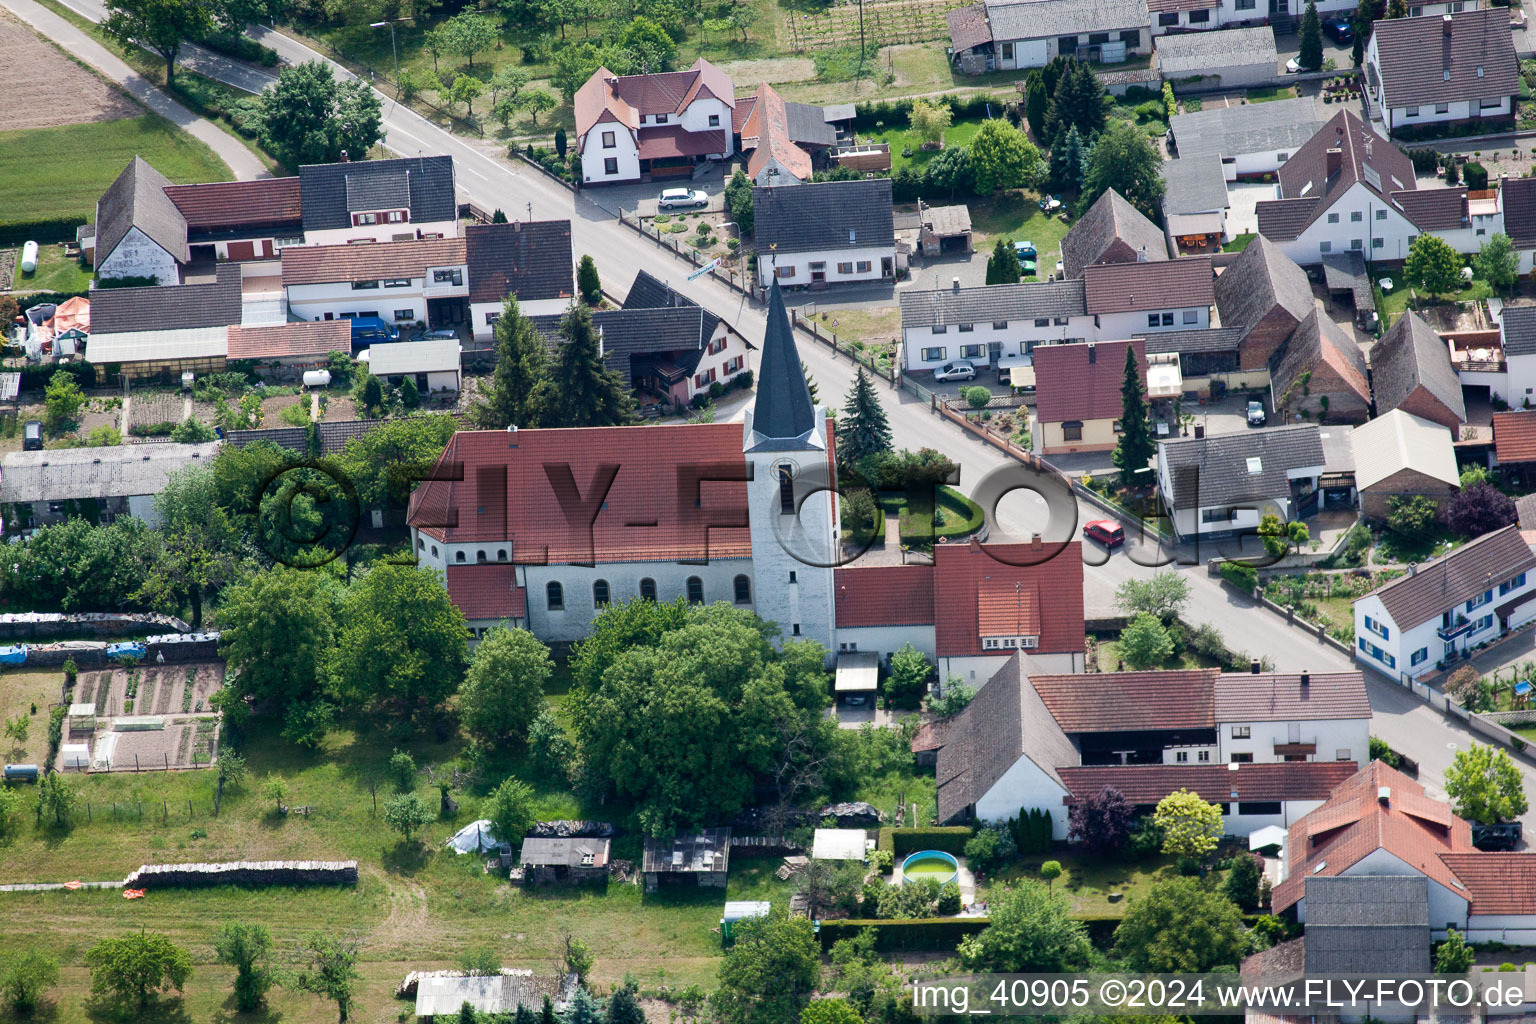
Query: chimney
(1034, 542)
(1335, 158)
(1413, 568)
(954, 284)
(1383, 794)
(1199, 431)
(343, 156)
(1253, 666)
(1093, 353)
(517, 227)
(1306, 680)
(1445, 24)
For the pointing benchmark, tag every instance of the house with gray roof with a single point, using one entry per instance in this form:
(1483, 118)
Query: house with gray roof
(1454, 68)
(1250, 139)
(1447, 606)
(1411, 370)
(816, 234)
(1356, 925)
(1225, 484)
(1238, 57)
(531, 260)
(379, 200)
(1030, 34)
(98, 484)
(1265, 293)
(139, 232)
(1112, 231)
(1195, 204)
(998, 324)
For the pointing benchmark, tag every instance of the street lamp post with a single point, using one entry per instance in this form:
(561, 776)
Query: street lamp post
(393, 53)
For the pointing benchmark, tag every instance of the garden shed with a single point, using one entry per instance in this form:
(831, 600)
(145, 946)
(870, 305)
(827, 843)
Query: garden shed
(566, 860)
(741, 910)
(839, 844)
(703, 858)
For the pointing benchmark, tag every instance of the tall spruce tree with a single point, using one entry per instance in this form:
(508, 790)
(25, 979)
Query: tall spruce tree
(1037, 102)
(586, 392)
(1310, 55)
(1136, 446)
(1365, 16)
(1078, 100)
(863, 429)
(1068, 163)
(519, 389)
(1003, 265)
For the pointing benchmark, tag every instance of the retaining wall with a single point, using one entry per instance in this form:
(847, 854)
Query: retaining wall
(244, 872)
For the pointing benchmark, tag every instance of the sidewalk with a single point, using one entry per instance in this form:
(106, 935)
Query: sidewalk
(242, 162)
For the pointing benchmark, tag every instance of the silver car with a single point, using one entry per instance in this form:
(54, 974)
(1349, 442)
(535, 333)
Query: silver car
(677, 198)
(961, 370)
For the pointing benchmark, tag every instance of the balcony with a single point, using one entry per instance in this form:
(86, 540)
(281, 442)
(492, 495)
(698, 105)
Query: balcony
(1295, 749)
(1461, 627)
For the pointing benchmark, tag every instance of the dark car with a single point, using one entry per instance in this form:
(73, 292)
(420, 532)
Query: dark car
(1497, 837)
(32, 436)
(1339, 30)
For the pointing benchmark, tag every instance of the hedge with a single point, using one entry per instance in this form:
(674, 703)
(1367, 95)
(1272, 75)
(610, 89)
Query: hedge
(26, 302)
(896, 113)
(47, 229)
(234, 45)
(949, 839)
(35, 378)
(924, 933)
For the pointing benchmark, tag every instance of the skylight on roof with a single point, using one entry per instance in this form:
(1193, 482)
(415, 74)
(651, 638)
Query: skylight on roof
(1319, 866)
(1305, 189)
(1255, 464)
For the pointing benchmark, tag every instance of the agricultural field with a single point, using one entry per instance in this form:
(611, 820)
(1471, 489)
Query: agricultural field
(807, 27)
(44, 89)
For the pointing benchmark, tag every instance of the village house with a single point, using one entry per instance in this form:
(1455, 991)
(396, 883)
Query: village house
(1235, 57)
(401, 282)
(787, 141)
(1219, 485)
(657, 125)
(1453, 68)
(530, 260)
(1249, 140)
(1502, 365)
(1266, 295)
(1517, 198)
(1444, 608)
(1078, 402)
(1411, 370)
(1400, 455)
(1195, 204)
(1111, 231)
(997, 325)
(817, 234)
(166, 330)
(1030, 34)
(1320, 372)
(1266, 747)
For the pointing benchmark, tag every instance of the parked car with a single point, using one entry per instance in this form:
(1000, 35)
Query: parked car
(1025, 250)
(1339, 30)
(680, 198)
(961, 370)
(1293, 66)
(441, 334)
(1256, 414)
(1497, 837)
(32, 436)
(1027, 268)
(1106, 531)
(368, 329)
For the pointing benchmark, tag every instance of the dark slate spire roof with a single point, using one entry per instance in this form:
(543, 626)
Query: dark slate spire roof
(784, 412)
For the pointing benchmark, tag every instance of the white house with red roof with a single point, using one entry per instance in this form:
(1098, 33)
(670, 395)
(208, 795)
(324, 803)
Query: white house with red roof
(1380, 822)
(1268, 748)
(662, 124)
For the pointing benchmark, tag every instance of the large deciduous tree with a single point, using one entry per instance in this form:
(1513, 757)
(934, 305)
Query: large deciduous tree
(330, 970)
(25, 974)
(1165, 594)
(160, 25)
(468, 33)
(1144, 642)
(1190, 826)
(1432, 265)
(1002, 157)
(1480, 509)
(1180, 927)
(1496, 262)
(137, 966)
(310, 118)
(248, 949)
(769, 974)
(203, 549)
(1032, 930)
(402, 641)
(1486, 785)
(503, 690)
(1123, 159)
(1102, 823)
(511, 813)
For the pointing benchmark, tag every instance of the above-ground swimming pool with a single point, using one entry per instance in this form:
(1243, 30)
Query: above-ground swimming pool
(934, 864)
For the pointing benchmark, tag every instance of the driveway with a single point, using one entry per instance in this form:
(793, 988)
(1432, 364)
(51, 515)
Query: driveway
(1288, 46)
(641, 197)
(1242, 198)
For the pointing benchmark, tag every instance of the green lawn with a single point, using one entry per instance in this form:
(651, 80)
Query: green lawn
(1089, 880)
(1016, 217)
(1269, 93)
(1109, 659)
(83, 159)
(1395, 303)
(904, 139)
(55, 272)
(1240, 243)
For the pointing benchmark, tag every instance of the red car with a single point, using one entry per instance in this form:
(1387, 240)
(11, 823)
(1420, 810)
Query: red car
(1106, 531)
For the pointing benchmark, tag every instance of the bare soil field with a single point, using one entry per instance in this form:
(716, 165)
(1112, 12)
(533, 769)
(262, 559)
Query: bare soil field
(44, 88)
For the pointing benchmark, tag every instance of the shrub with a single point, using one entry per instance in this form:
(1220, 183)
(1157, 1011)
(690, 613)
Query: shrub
(882, 861)
(1476, 176)
(949, 898)
(989, 849)
(1244, 577)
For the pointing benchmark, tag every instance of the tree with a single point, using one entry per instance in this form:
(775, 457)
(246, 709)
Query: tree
(10, 801)
(1124, 160)
(830, 1011)
(276, 629)
(1102, 823)
(402, 641)
(587, 282)
(18, 728)
(950, 171)
(1432, 265)
(232, 769)
(1412, 518)
(160, 25)
(511, 814)
(1003, 265)
(584, 1009)
(1365, 16)
(1190, 826)
(203, 549)
(406, 813)
(310, 118)
(952, 701)
(137, 967)
(768, 975)
(1241, 885)
(25, 974)
(578, 959)
(1486, 785)
(55, 796)
(330, 971)
(467, 34)
(1002, 157)
(1136, 446)
(650, 44)
(1397, 8)
(409, 396)
(274, 789)
(1453, 956)
(465, 89)
(623, 1007)
(587, 392)
(409, 84)
(1050, 871)
(62, 401)
(1479, 509)
(561, 143)
(930, 120)
(738, 201)
(1069, 159)
(908, 680)
(863, 429)
(1310, 56)
(248, 949)
(506, 82)
(1037, 103)
(1280, 537)
(536, 102)
(504, 688)
(1164, 595)
(1467, 688)
(1077, 102)
(520, 384)
(480, 961)
(1032, 930)
(1144, 642)
(1179, 927)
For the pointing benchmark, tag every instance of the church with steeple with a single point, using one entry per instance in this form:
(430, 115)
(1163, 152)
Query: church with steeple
(544, 528)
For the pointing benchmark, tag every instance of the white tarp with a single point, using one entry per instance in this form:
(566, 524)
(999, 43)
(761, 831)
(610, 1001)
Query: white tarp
(1269, 835)
(476, 837)
(838, 844)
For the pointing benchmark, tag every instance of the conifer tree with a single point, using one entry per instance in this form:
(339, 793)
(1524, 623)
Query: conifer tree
(1136, 446)
(520, 386)
(1310, 55)
(1003, 265)
(863, 429)
(586, 392)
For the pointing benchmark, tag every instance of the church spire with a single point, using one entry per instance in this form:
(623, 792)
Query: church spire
(784, 410)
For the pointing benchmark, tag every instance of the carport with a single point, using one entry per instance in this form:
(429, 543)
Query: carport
(944, 229)
(858, 676)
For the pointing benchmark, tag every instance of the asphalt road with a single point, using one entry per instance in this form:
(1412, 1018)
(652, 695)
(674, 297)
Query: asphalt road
(489, 180)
